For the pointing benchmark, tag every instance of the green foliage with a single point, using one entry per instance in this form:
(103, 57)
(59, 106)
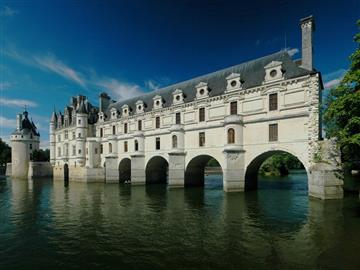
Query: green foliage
(280, 164)
(342, 109)
(213, 163)
(41, 155)
(5, 153)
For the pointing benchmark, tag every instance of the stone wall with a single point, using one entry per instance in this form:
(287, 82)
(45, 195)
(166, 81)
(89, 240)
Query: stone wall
(40, 169)
(8, 169)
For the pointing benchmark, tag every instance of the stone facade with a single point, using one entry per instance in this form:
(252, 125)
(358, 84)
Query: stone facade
(239, 116)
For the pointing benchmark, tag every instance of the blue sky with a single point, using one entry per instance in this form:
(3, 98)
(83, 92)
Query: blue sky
(52, 50)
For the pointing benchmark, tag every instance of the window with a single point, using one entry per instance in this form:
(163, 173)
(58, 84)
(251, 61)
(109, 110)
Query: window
(139, 125)
(157, 143)
(79, 151)
(113, 130)
(231, 135)
(79, 121)
(136, 145)
(174, 141)
(125, 128)
(178, 118)
(95, 151)
(273, 73)
(73, 150)
(202, 114)
(87, 150)
(273, 132)
(233, 107)
(157, 122)
(66, 134)
(101, 149)
(59, 151)
(125, 146)
(273, 102)
(31, 136)
(101, 132)
(73, 135)
(202, 139)
(79, 135)
(110, 148)
(30, 146)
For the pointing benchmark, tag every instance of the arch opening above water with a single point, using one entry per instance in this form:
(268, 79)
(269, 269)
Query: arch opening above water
(125, 170)
(281, 158)
(157, 170)
(195, 172)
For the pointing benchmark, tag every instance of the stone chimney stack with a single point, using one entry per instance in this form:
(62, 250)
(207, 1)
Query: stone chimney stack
(307, 29)
(18, 121)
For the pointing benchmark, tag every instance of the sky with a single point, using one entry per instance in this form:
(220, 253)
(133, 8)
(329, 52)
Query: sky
(53, 50)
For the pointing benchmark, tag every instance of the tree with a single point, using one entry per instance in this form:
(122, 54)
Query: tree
(41, 155)
(279, 164)
(342, 110)
(5, 153)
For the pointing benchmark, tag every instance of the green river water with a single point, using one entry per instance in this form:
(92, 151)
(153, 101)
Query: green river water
(46, 225)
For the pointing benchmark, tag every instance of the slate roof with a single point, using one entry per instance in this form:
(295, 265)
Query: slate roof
(252, 74)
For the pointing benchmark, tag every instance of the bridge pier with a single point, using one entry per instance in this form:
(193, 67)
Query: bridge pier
(111, 169)
(234, 170)
(138, 176)
(176, 169)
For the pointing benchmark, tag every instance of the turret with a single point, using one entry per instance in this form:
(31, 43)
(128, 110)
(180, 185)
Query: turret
(81, 133)
(24, 140)
(53, 123)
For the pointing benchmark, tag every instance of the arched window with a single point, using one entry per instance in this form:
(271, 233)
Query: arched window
(174, 141)
(136, 145)
(110, 148)
(231, 135)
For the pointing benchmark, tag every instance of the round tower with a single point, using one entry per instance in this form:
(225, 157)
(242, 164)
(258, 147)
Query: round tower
(24, 140)
(53, 123)
(81, 133)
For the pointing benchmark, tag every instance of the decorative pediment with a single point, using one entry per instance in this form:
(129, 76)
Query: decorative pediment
(233, 82)
(202, 90)
(158, 102)
(101, 117)
(178, 96)
(273, 64)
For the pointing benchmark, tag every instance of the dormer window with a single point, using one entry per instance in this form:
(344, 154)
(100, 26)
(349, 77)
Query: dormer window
(233, 82)
(202, 90)
(125, 110)
(139, 106)
(178, 96)
(101, 117)
(113, 113)
(273, 71)
(158, 102)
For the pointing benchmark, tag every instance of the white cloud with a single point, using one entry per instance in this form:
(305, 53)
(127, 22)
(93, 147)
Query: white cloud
(292, 51)
(119, 90)
(7, 123)
(51, 63)
(334, 78)
(332, 83)
(7, 12)
(152, 85)
(44, 144)
(4, 85)
(17, 102)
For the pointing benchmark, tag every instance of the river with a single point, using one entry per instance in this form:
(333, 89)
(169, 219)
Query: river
(46, 225)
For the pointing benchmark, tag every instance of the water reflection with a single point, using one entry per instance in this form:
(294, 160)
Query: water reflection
(47, 224)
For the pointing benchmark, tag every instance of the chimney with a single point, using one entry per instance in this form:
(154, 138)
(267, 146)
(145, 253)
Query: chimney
(19, 121)
(307, 29)
(104, 102)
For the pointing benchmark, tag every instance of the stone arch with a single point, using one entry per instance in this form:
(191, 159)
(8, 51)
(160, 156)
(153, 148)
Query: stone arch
(125, 170)
(66, 172)
(252, 168)
(195, 170)
(157, 170)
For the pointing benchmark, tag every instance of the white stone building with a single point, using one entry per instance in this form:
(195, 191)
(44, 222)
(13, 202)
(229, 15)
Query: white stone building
(240, 116)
